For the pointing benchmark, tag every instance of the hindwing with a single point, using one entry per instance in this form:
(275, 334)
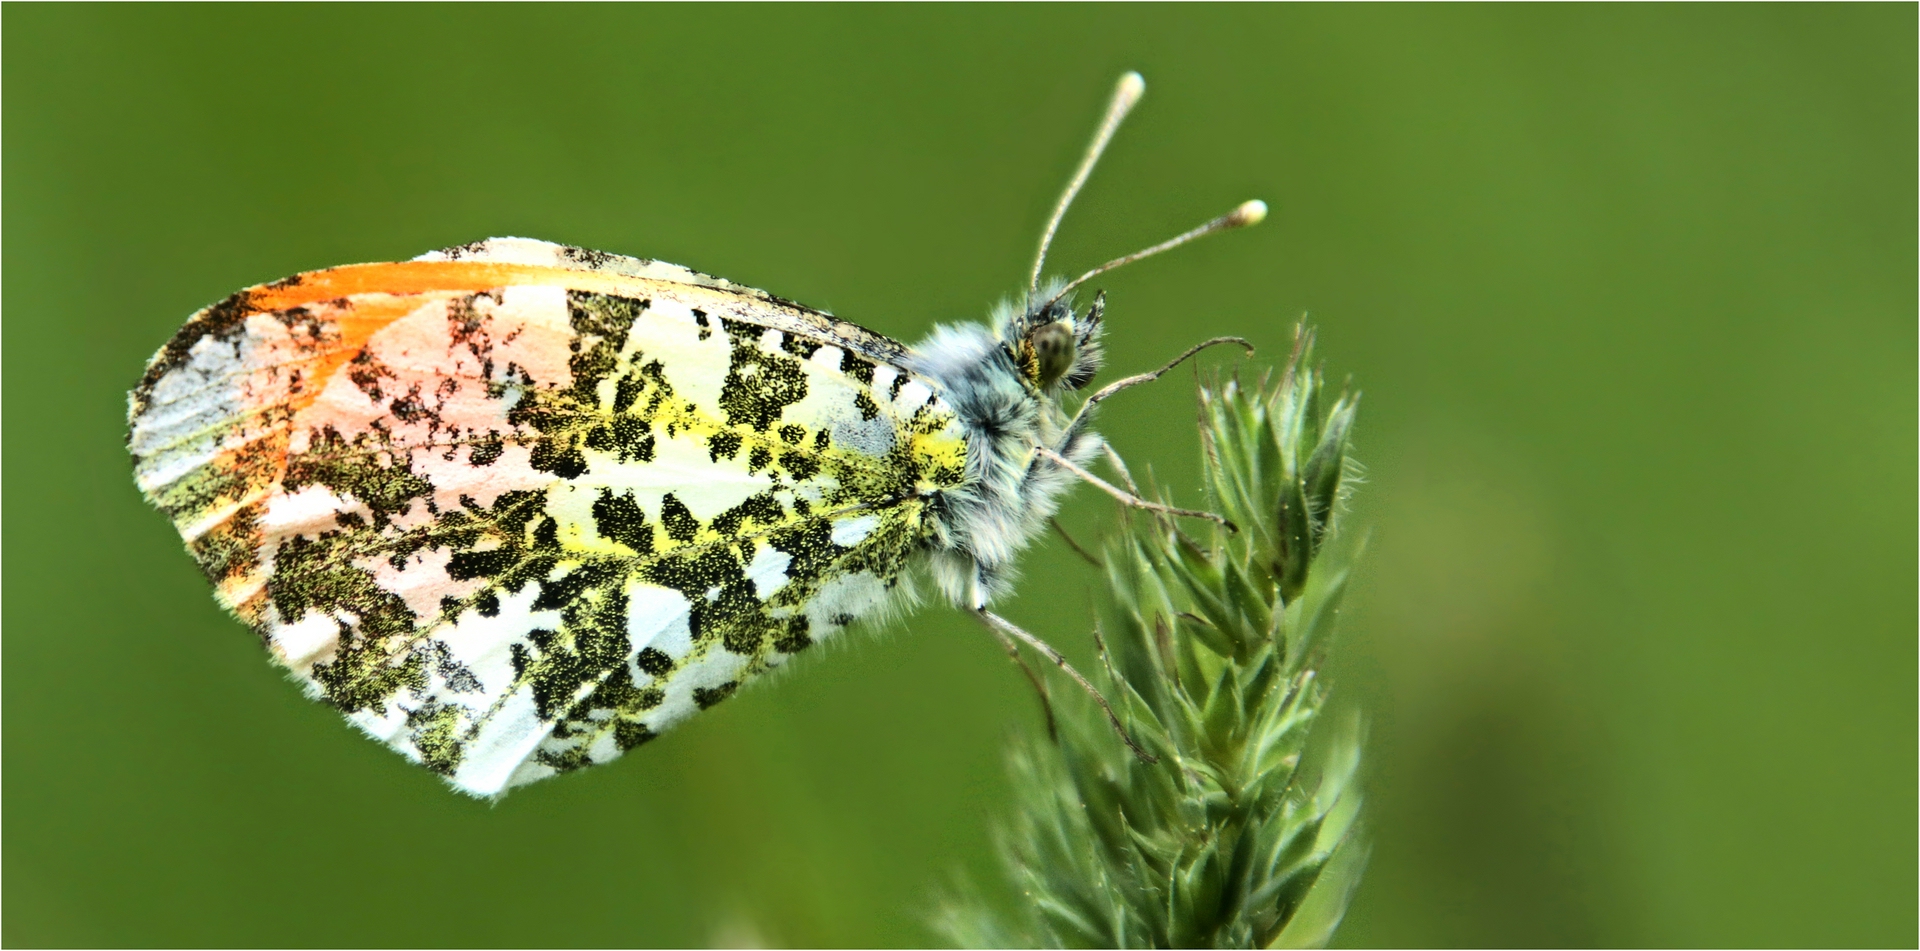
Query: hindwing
(515, 508)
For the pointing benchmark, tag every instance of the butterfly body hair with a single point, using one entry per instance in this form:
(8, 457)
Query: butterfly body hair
(1007, 412)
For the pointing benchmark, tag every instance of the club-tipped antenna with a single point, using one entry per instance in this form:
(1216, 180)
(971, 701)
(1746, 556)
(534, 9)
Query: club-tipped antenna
(1125, 94)
(1249, 213)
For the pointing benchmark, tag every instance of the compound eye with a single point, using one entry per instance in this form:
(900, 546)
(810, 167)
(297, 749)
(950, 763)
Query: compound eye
(1053, 352)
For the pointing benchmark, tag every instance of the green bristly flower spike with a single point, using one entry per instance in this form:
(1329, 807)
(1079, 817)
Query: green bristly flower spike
(1241, 833)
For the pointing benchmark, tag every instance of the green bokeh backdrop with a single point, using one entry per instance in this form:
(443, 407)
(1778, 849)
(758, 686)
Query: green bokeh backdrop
(1630, 290)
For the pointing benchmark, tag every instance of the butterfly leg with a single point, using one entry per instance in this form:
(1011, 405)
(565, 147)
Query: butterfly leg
(1081, 416)
(1125, 497)
(1082, 552)
(1004, 628)
(1119, 465)
(1033, 677)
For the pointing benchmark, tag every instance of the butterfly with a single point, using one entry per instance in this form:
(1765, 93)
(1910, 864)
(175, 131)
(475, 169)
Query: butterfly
(514, 508)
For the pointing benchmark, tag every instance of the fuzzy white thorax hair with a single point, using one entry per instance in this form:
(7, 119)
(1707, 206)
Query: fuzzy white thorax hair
(1010, 490)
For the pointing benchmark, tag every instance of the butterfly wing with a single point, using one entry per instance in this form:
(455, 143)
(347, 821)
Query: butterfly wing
(514, 508)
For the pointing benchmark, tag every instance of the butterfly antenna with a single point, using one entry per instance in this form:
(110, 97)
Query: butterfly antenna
(1249, 213)
(1124, 96)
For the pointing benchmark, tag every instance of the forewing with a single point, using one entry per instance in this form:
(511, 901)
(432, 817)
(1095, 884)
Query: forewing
(515, 519)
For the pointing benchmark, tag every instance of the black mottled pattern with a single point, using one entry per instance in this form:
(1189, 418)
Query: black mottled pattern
(759, 385)
(617, 403)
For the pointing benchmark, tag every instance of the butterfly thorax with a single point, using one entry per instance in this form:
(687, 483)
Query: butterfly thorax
(1004, 389)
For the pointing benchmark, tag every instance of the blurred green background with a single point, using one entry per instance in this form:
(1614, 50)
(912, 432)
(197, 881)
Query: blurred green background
(1630, 290)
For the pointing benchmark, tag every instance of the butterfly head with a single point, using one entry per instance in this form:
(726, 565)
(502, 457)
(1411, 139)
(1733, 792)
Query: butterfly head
(1055, 348)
